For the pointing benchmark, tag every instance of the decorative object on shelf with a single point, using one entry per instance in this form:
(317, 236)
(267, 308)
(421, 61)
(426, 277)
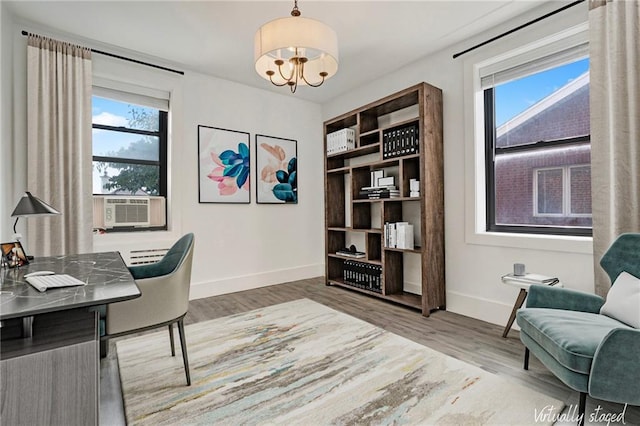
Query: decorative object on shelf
(378, 192)
(296, 51)
(401, 141)
(223, 166)
(414, 188)
(341, 141)
(13, 255)
(399, 235)
(363, 275)
(277, 165)
(351, 251)
(30, 205)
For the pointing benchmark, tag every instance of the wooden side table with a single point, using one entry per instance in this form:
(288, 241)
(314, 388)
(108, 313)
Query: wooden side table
(523, 283)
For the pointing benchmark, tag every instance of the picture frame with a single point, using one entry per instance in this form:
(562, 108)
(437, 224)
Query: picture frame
(13, 254)
(276, 170)
(224, 165)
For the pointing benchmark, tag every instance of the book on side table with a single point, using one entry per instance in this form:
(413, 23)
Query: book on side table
(532, 279)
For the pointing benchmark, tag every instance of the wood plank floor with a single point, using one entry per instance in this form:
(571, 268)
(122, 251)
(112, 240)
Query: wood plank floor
(470, 340)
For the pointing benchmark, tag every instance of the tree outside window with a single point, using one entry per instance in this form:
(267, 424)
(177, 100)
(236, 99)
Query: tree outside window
(129, 149)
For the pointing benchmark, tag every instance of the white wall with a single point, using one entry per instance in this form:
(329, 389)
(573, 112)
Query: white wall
(238, 246)
(474, 264)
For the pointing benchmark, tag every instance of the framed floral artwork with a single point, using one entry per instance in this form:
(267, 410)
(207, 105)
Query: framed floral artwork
(223, 166)
(277, 170)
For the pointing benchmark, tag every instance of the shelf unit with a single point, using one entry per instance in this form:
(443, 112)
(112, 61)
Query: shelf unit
(349, 216)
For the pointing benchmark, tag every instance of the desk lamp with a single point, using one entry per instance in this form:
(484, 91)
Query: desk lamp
(31, 206)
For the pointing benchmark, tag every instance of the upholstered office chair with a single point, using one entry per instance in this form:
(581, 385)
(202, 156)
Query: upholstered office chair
(590, 345)
(164, 301)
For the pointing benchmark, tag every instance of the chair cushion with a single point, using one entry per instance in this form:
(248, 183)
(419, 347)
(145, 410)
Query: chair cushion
(570, 337)
(623, 300)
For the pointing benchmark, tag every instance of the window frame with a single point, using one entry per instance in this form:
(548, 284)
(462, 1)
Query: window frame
(161, 134)
(163, 146)
(491, 152)
(535, 193)
(499, 55)
(566, 191)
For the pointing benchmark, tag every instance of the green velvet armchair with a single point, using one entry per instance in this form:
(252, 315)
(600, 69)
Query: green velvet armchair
(164, 300)
(595, 354)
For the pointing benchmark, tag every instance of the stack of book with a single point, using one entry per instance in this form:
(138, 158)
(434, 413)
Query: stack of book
(378, 192)
(349, 253)
(340, 141)
(532, 279)
(400, 141)
(363, 275)
(399, 235)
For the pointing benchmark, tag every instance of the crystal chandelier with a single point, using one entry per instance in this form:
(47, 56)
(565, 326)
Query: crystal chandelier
(296, 51)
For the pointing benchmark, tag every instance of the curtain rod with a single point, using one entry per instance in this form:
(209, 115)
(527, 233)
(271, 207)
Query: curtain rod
(518, 28)
(124, 58)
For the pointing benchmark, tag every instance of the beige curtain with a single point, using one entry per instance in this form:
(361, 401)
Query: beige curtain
(59, 145)
(614, 37)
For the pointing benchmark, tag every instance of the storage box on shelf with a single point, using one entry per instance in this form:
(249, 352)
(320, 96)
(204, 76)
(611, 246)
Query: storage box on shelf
(399, 136)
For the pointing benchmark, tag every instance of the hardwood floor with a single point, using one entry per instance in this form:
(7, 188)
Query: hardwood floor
(468, 339)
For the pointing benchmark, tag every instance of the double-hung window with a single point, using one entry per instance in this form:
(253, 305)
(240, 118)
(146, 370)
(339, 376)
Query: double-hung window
(129, 159)
(537, 144)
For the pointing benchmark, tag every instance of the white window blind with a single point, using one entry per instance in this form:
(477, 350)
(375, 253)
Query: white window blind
(137, 95)
(562, 50)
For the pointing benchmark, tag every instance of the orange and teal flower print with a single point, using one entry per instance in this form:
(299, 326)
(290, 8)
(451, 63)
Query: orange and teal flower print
(232, 172)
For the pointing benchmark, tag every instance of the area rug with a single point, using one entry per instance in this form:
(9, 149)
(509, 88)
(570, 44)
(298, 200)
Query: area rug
(302, 363)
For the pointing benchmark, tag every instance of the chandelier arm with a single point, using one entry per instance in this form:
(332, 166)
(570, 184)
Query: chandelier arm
(307, 81)
(276, 84)
(282, 75)
(295, 72)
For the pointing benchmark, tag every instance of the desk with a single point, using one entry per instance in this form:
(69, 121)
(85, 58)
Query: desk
(523, 284)
(49, 358)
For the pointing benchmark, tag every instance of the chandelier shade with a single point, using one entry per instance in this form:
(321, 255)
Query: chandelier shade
(296, 51)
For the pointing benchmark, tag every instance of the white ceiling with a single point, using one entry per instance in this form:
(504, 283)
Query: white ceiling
(216, 37)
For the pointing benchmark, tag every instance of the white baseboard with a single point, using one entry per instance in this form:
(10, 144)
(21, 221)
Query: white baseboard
(482, 309)
(247, 282)
(414, 288)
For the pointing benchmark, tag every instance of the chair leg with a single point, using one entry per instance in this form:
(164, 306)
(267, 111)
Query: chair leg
(582, 407)
(183, 343)
(104, 348)
(526, 358)
(173, 348)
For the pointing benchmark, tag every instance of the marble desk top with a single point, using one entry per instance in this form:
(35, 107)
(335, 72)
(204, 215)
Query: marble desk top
(107, 277)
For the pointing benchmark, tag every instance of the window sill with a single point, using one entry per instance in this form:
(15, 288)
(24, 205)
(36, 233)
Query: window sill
(560, 243)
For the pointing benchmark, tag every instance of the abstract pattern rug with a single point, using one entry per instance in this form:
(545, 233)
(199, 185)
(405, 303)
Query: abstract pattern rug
(302, 363)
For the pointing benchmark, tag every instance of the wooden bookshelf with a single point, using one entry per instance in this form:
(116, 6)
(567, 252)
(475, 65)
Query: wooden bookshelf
(349, 215)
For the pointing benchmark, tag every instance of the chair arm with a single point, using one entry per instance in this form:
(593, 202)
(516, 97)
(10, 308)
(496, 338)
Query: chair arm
(543, 296)
(615, 372)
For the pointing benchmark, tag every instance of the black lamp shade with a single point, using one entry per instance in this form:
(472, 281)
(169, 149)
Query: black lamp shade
(32, 206)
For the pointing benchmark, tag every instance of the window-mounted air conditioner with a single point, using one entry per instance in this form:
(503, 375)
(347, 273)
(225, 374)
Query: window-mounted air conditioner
(117, 204)
(123, 211)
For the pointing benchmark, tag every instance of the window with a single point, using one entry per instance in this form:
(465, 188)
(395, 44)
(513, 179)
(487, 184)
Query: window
(562, 191)
(129, 141)
(537, 145)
